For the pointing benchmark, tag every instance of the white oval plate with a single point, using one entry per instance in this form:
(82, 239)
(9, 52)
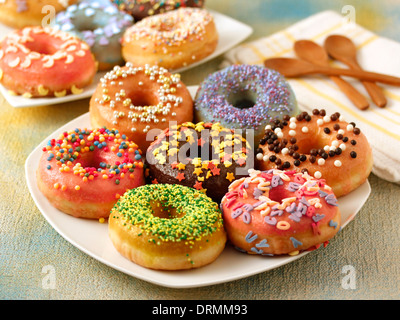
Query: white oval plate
(231, 32)
(92, 238)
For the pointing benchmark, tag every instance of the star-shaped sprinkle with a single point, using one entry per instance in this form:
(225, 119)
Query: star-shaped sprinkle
(198, 185)
(230, 176)
(174, 165)
(240, 161)
(198, 171)
(196, 162)
(215, 171)
(181, 166)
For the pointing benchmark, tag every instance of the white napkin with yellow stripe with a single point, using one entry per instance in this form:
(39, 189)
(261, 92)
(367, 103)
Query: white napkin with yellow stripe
(378, 54)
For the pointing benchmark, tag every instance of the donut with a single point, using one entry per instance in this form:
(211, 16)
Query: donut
(203, 156)
(279, 212)
(172, 40)
(140, 102)
(23, 13)
(324, 146)
(84, 172)
(244, 97)
(167, 227)
(140, 9)
(43, 62)
(101, 25)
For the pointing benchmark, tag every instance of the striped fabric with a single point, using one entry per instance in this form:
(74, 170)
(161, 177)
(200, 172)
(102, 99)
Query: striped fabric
(378, 54)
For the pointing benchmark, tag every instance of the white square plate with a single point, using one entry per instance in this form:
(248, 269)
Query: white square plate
(92, 238)
(231, 32)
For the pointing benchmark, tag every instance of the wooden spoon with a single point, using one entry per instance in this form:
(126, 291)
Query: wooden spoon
(314, 53)
(291, 68)
(343, 49)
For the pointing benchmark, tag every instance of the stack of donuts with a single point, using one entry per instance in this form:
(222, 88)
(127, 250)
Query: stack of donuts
(95, 36)
(178, 177)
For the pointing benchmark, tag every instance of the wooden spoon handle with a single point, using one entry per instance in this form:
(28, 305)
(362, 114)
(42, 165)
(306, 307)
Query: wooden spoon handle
(374, 91)
(354, 96)
(362, 75)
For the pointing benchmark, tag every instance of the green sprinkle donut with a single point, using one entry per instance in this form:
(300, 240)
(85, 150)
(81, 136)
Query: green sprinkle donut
(167, 227)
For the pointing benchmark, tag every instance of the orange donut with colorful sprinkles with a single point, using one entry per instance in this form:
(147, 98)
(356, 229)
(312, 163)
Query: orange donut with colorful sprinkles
(43, 62)
(84, 172)
(278, 212)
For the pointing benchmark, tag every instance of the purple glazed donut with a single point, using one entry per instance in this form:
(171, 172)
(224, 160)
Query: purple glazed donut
(244, 97)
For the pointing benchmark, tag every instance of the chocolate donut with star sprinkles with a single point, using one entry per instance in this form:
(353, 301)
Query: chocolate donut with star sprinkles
(141, 9)
(204, 156)
(324, 146)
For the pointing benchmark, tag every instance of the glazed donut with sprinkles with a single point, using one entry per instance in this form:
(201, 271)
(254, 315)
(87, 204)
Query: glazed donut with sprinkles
(325, 146)
(279, 212)
(33, 58)
(167, 227)
(204, 156)
(172, 40)
(100, 24)
(136, 100)
(84, 172)
(244, 97)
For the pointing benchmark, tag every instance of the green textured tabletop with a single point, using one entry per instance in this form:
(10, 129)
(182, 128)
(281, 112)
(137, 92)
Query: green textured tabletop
(361, 262)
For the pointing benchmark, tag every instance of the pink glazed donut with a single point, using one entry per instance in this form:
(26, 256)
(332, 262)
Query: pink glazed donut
(279, 212)
(84, 172)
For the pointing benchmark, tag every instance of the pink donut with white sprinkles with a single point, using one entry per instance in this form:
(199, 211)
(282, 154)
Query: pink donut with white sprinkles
(43, 62)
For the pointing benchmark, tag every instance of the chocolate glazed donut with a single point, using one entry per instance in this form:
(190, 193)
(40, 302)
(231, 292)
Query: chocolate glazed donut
(204, 156)
(140, 9)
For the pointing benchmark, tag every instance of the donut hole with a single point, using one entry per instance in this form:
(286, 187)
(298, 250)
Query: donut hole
(243, 99)
(309, 143)
(96, 159)
(277, 194)
(163, 210)
(166, 26)
(42, 46)
(202, 152)
(200, 147)
(86, 25)
(142, 99)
